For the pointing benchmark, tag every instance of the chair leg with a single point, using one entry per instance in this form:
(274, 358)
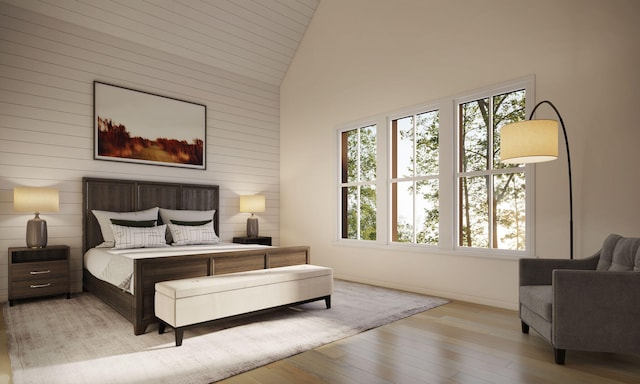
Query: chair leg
(525, 327)
(559, 355)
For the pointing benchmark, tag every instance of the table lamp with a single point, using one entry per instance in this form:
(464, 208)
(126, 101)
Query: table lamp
(252, 204)
(36, 200)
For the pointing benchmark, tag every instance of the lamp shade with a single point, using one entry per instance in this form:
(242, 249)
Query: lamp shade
(529, 141)
(252, 203)
(33, 199)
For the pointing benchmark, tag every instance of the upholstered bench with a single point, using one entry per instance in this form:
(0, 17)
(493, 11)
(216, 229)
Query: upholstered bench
(186, 302)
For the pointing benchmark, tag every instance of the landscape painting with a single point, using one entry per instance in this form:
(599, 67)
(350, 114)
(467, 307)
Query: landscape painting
(142, 127)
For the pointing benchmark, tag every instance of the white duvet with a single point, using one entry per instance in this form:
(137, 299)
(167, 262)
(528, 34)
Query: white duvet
(115, 266)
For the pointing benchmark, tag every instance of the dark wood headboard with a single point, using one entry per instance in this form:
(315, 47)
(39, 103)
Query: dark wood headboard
(131, 195)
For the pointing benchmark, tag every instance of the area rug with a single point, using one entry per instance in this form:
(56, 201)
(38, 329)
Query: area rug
(82, 340)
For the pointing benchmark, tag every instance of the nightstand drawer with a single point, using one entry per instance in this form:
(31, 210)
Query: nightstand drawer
(40, 287)
(40, 270)
(35, 272)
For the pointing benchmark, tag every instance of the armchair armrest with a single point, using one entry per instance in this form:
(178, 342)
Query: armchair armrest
(538, 271)
(596, 311)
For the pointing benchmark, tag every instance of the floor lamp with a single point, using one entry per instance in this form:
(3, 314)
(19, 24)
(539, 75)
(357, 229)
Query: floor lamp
(535, 141)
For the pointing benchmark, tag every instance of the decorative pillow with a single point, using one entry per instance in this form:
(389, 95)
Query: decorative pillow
(184, 215)
(104, 219)
(192, 223)
(193, 234)
(139, 237)
(134, 223)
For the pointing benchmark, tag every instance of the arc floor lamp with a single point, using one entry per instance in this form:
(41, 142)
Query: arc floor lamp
(535, 141)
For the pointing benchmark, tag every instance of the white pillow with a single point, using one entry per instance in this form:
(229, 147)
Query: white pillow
(104, 219)
(193, 234)
(139, 237)
(184, 215)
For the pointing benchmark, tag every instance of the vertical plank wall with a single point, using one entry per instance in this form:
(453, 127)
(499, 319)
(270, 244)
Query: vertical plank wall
(47, 69)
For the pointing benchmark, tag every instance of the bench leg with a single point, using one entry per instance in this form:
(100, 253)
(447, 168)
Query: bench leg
(179, 335)
(327, 301)
(178, 331)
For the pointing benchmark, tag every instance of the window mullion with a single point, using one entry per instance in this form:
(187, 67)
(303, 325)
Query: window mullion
(490, 166)
(414, 237)
(359, 188)
(359, 214)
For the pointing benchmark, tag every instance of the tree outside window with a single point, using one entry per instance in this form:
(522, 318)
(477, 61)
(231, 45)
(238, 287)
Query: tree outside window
(433, 177)
(358, 191)
(491, 206)
(415, 212)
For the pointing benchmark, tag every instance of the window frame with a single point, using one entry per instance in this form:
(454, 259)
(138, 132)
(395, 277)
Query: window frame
(414, 111)
(528, 170)
(448, 176)
(375, 183)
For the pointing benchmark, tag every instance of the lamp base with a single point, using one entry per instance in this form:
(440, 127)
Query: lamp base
(36, 233)
(252, 226)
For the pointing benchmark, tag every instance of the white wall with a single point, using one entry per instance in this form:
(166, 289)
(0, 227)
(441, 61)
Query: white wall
(360, 58)
(47, 69)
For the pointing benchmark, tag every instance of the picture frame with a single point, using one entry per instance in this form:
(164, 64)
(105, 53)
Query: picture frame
(141, 127)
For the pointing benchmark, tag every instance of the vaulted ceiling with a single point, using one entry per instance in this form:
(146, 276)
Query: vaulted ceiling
(253, 38)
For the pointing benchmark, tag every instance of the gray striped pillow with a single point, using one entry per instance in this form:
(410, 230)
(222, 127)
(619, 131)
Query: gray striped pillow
(193, 234)
(139, 237)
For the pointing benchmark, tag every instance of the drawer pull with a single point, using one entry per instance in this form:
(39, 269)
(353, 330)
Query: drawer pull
(40, 272)
(40, 285)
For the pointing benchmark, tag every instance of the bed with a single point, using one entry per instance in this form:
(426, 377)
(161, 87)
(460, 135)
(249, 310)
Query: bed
(136, 303)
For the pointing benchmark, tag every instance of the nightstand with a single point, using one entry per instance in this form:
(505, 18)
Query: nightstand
(36, 272)
(262, 240)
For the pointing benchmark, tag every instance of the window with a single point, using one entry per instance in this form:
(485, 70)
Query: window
(491, 204)
(433, 177)
(358, 189)
(414, 179)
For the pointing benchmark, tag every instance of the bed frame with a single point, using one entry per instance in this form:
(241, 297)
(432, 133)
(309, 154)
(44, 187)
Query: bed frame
(130, 195)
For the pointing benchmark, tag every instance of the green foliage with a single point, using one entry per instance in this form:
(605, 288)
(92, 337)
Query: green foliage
(418, 134)
(492, 206)
(492, 194)
(361, 168)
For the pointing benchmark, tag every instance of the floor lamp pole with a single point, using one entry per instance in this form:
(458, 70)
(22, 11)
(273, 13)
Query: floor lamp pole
(566, 142)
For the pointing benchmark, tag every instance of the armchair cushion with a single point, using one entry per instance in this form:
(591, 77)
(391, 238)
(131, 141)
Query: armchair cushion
(538, 299)
(619, 254)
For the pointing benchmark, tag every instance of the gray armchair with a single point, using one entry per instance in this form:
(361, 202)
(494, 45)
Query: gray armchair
(590, 304)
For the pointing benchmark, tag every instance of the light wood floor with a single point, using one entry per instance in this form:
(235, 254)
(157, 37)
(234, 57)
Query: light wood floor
(455, 343)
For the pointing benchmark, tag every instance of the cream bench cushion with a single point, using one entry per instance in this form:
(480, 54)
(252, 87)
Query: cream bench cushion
(180, 303)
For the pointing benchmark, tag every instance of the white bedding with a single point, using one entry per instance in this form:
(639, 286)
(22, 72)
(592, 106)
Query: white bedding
(115, 266)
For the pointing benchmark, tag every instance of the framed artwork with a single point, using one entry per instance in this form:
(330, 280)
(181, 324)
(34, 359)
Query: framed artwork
(141, 127)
